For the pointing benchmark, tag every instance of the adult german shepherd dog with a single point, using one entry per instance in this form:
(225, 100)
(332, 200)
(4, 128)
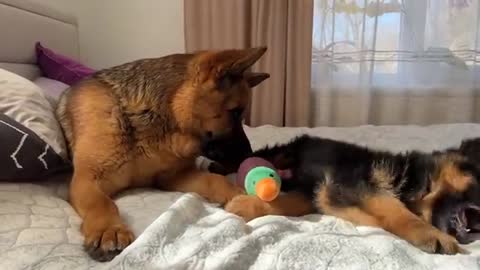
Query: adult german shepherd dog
(143, 124)
(429, 199)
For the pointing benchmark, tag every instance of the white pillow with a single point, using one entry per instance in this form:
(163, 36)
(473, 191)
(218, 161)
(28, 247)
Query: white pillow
(52, 89)
(24, 102)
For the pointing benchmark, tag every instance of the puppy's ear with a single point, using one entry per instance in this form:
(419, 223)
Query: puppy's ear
(241, 60)
(255, 78)
(218, 64)
(471, 149)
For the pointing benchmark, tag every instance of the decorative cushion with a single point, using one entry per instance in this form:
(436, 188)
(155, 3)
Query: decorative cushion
(31, 140)
(59, 67)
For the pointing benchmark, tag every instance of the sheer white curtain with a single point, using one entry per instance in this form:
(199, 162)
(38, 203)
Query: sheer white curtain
(395, 62)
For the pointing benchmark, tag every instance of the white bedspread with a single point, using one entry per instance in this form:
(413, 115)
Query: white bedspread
(39, 230)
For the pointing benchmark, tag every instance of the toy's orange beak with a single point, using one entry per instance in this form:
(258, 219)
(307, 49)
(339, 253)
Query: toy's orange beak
(267, 189)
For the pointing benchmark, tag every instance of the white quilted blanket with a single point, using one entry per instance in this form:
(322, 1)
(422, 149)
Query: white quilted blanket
(39, 230)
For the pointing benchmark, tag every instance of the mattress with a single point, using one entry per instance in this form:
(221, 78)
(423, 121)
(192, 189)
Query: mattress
(40, 230)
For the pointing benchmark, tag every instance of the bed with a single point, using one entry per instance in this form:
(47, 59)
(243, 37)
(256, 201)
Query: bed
(40, 230)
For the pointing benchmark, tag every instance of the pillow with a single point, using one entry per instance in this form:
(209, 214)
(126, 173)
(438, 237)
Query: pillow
(59, 67)
(51, 88)
(31, 140)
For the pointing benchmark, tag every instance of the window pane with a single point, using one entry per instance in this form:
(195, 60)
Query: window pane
(451, 24)
(346, 33)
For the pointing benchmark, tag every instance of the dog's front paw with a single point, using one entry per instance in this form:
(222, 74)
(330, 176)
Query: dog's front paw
(103, 244)
(248, 207)
(432, 240)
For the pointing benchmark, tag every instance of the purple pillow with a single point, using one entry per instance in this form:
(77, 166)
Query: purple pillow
(59, 67)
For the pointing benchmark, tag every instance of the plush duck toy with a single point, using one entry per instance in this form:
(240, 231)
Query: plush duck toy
(259, 177)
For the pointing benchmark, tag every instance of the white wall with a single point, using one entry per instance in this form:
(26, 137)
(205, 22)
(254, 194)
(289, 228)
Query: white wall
(117, 31)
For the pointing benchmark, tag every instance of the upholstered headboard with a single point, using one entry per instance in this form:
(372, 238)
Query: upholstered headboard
(22, 24)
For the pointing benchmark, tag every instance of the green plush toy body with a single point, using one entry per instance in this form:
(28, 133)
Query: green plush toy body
(259, 177)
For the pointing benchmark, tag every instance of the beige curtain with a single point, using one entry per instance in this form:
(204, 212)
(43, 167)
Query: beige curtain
(285, 26)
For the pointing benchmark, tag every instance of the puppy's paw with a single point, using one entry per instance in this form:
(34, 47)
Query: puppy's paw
(104, 244)
(248, 207)
(432, 240)
(220, 190)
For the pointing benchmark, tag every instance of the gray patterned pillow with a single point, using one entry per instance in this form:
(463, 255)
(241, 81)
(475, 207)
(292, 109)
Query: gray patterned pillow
(31, 141)
(24, 155)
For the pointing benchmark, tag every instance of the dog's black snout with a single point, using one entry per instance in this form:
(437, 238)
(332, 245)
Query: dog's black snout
(215, 154)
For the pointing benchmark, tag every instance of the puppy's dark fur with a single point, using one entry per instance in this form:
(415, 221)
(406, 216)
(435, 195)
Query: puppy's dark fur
(413, 195)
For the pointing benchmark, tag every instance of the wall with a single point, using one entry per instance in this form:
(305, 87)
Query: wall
(117, 31)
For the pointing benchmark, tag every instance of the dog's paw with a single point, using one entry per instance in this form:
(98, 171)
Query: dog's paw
(104, 244)
(432, 240)
(220, 190)
(248, 207)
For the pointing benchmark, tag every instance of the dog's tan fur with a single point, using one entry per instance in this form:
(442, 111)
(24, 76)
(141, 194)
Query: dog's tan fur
(142, 124)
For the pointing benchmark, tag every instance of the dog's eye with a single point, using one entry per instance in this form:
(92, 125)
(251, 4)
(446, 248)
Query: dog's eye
(224, 82)
(237, 112)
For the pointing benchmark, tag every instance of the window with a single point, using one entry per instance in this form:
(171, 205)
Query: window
(393, 43)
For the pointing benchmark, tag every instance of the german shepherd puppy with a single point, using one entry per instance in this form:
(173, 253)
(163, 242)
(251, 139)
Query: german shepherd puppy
(143, 124)
(429, 199)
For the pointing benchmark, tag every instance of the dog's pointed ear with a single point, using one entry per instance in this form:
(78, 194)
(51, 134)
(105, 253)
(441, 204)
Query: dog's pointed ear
(243, 59)
(255, 78)
(219, 64)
